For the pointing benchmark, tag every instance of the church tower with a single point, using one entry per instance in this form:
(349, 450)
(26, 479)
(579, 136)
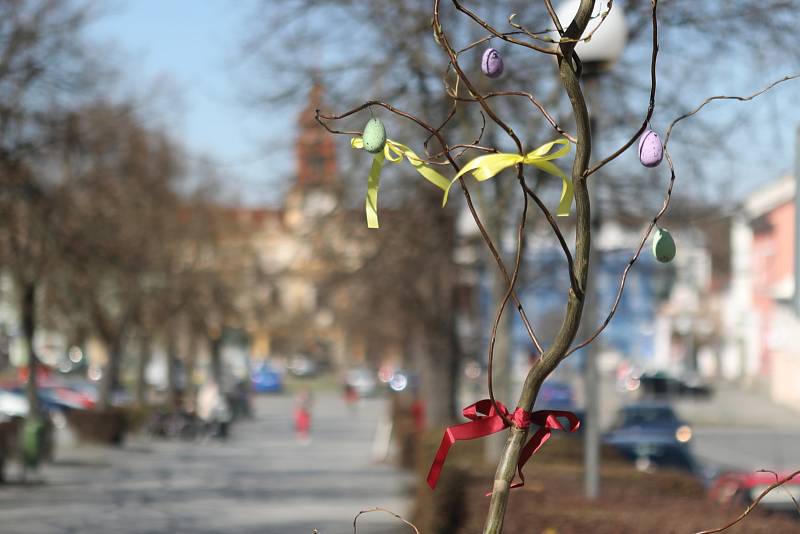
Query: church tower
(316, 153)
(314, 191)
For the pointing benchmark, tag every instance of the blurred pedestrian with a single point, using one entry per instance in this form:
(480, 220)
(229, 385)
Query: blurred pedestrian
(350, 397)
(213, 410)
(302, 417)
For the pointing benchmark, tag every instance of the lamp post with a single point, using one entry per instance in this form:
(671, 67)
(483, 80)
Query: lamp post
(598, 55)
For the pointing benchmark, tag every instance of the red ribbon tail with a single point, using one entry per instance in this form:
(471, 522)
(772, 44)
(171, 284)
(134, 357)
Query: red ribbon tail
(441, 456)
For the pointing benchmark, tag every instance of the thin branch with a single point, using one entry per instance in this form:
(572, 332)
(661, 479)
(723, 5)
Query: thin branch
(544, 36)
(651, 105)
(533, 101)
(723, 97)
(504, 301)
(559, 235)
(789, 493)
(554, 17)
(384, 510)
(667, 199)
(491, 29)
(446, 152)
(753, 505)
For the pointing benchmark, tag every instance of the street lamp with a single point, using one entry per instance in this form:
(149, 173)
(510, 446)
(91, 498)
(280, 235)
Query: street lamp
(609, 34)
(607, 42)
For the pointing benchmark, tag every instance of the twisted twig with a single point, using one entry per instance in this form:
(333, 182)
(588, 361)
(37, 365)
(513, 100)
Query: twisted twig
(667, 199)
(384, 510)
(651, 104)
(753, 505)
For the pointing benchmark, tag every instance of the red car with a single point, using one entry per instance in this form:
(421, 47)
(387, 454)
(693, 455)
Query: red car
(742, 488)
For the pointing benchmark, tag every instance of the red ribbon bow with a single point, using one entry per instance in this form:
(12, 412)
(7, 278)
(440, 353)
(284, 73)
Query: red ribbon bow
(485, 420)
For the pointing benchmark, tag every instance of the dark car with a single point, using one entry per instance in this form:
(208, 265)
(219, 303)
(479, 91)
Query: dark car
(651, 435)
(266, 379)
(661, 384)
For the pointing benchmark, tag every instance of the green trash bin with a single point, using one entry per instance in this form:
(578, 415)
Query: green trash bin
(33, 436)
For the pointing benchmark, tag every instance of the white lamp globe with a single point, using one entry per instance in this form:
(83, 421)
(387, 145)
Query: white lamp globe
(607, 43)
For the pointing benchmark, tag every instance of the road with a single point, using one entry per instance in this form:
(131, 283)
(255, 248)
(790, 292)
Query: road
(747, 448)
(737, 428)
(261, 480)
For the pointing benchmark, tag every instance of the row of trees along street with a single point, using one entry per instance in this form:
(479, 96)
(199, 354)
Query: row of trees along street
(107, 229)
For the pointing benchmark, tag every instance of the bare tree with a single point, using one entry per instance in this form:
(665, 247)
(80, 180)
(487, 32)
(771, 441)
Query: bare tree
(391, 57)
(570, 69)
(42, 60)
(122, 188)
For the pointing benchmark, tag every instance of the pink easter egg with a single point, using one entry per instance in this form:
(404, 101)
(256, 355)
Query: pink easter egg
(492, 63)
(650, 150)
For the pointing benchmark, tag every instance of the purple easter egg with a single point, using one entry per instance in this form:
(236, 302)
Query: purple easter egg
(650, 150)
(492, 63)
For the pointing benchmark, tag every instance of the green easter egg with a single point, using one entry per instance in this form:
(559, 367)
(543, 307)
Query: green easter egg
(374, 136)
(663, 246)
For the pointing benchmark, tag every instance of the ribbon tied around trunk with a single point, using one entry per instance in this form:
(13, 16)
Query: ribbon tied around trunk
(486, 420)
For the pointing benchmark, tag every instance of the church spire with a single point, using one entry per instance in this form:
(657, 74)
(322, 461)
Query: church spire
(316, 153)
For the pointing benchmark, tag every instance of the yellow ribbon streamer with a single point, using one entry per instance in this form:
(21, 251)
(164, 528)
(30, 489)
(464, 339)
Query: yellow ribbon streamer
(485, 167)
(393, 152)
(482, 168)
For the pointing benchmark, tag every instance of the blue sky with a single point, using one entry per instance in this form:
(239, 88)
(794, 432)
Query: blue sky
(191, 48)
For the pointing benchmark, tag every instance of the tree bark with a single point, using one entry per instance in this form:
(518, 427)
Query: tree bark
(215, 346)
(110, 379)
(191, 362)
(556, 352)
(28, 311)
(439, 375)
(173, 400)
(145, 349)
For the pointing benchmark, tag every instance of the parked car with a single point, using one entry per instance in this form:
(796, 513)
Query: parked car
(266, 378)
(12, 404)
(740, 488)
(362, 380)
(651, 435)
(662, 384)
(303, 366)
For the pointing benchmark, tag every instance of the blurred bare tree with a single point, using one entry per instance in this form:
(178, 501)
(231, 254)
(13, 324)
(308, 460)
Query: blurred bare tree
(44, 69)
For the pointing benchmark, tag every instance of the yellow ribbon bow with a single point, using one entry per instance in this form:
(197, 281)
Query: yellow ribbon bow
(394, 152)
(485, 167)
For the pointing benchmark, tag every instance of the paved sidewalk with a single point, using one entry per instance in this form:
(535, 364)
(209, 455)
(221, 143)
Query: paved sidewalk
(261, 481)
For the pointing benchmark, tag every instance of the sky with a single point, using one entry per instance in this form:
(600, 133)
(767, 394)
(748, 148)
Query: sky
(194, 50)
(191, 48)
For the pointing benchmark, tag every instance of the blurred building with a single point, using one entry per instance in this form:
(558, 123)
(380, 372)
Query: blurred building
(669, 316)
(297, 245)
(760, 325)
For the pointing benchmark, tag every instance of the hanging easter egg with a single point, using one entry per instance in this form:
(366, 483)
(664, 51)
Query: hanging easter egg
(650, 150)
(492, 63)
(374, 136)
(663, 246)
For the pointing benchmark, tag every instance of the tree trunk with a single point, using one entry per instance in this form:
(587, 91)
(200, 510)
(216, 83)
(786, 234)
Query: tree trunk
(110, 379)
(437, 383)
(28, 311)
(173, 400)
(215, 344)
(141, 371)
(191, 361)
